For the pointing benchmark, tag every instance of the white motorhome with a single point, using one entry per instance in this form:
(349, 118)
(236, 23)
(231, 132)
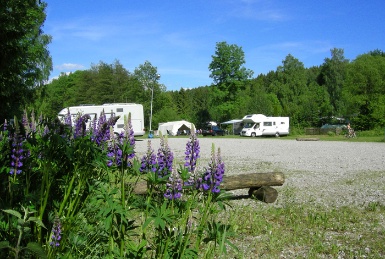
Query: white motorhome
(260, 125)
(110, 109)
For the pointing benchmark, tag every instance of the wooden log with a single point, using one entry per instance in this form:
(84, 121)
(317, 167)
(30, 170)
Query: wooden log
(254, 180)
(234, 182)
(307, 139)
(265, 193)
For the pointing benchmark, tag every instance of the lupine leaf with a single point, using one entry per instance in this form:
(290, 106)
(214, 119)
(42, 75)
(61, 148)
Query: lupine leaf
(4, 244)
(14, 213)
(37, 249)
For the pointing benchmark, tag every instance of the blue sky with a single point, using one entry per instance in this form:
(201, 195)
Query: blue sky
(179, 37)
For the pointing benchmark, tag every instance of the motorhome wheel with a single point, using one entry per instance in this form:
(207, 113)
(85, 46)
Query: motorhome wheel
(253, 134)
(277, 134)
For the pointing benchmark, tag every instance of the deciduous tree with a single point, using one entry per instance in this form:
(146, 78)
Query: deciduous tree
(25, 62)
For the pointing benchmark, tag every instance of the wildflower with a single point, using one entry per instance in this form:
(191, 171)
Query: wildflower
(56, 233)
(80, 126)
(174, 186)
(100, 133)
(115, 152)
(68, 119)
(165, 158)
(148, 160)
(192, 152)
(129, 136)
(25, 122)
(17, 154)
(5, 125)
(213, 176)
(46, 130)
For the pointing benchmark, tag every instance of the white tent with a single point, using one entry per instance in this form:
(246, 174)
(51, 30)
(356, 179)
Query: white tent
(175, 127)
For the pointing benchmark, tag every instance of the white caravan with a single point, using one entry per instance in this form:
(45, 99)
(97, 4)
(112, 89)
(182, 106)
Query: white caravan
(110, 109)
(260, 125)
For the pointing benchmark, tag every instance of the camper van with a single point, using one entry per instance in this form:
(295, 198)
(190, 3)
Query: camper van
(110, 109)
(260, 125)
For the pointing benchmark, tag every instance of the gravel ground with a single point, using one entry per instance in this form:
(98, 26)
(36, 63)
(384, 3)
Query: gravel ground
(328, 172)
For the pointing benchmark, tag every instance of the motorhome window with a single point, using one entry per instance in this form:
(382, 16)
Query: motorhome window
(108, 115)
(267, 123)
(119, 109)
(120, 126)
(92, 116)
(248, 125)
(282, 122)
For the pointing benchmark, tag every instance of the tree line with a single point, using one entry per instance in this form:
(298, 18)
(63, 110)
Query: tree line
(354, 90)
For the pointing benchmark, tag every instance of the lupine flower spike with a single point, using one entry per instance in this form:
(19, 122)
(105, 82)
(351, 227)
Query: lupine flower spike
(56, 233)
(174, 186)
(148, 160)
(17, 152)
(192, 152)
(213, 176)
(165, 158)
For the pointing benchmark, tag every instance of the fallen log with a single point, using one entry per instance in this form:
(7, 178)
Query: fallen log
(234, 182)
(307, 139)
(253, 180)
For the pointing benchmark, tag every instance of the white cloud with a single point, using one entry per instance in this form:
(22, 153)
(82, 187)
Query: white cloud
(69, 67)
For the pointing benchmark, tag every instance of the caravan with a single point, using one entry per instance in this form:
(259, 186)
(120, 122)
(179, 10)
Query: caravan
(260, 125)
(110, 109)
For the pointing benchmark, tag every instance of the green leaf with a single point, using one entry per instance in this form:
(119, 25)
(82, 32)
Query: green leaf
(14, 213)
(37, 249)
(4, 244)
(37, 221)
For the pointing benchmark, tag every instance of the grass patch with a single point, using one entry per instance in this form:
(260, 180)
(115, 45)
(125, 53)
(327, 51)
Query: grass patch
(305, 231)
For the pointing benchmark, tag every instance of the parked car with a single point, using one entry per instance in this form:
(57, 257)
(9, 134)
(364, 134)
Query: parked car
(213, 131)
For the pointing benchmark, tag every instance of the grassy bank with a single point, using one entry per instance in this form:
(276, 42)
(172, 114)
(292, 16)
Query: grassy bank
(292, 230)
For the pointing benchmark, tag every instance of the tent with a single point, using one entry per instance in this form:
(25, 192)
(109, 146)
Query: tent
(237, 125)
(174, 128)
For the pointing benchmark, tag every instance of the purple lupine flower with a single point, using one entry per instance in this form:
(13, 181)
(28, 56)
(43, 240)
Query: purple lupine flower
(100, 132)
(25, 121)
(165, 158)
(81, 125)
(68, 118)
(174, 186)
(148, 160)
(46, 130)
(93, 128)
(17, 154)
(114, 150)
(192, 152)
(129, 136)
(5, 126)
(33, 122)
(213, 176)
(56, 233)
(129, 130)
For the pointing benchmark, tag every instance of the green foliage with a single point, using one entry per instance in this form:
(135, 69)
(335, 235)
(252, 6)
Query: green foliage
(227, 65)
(88, 204)
(24, 227)
(24, 58)
(365, 87)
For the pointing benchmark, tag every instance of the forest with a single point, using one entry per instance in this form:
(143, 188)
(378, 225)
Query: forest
(338, 88)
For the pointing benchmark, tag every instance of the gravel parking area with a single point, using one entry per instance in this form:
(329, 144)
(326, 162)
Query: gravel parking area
(329, 172)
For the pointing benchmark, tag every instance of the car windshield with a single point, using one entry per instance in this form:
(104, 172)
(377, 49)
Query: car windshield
(248, 125)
